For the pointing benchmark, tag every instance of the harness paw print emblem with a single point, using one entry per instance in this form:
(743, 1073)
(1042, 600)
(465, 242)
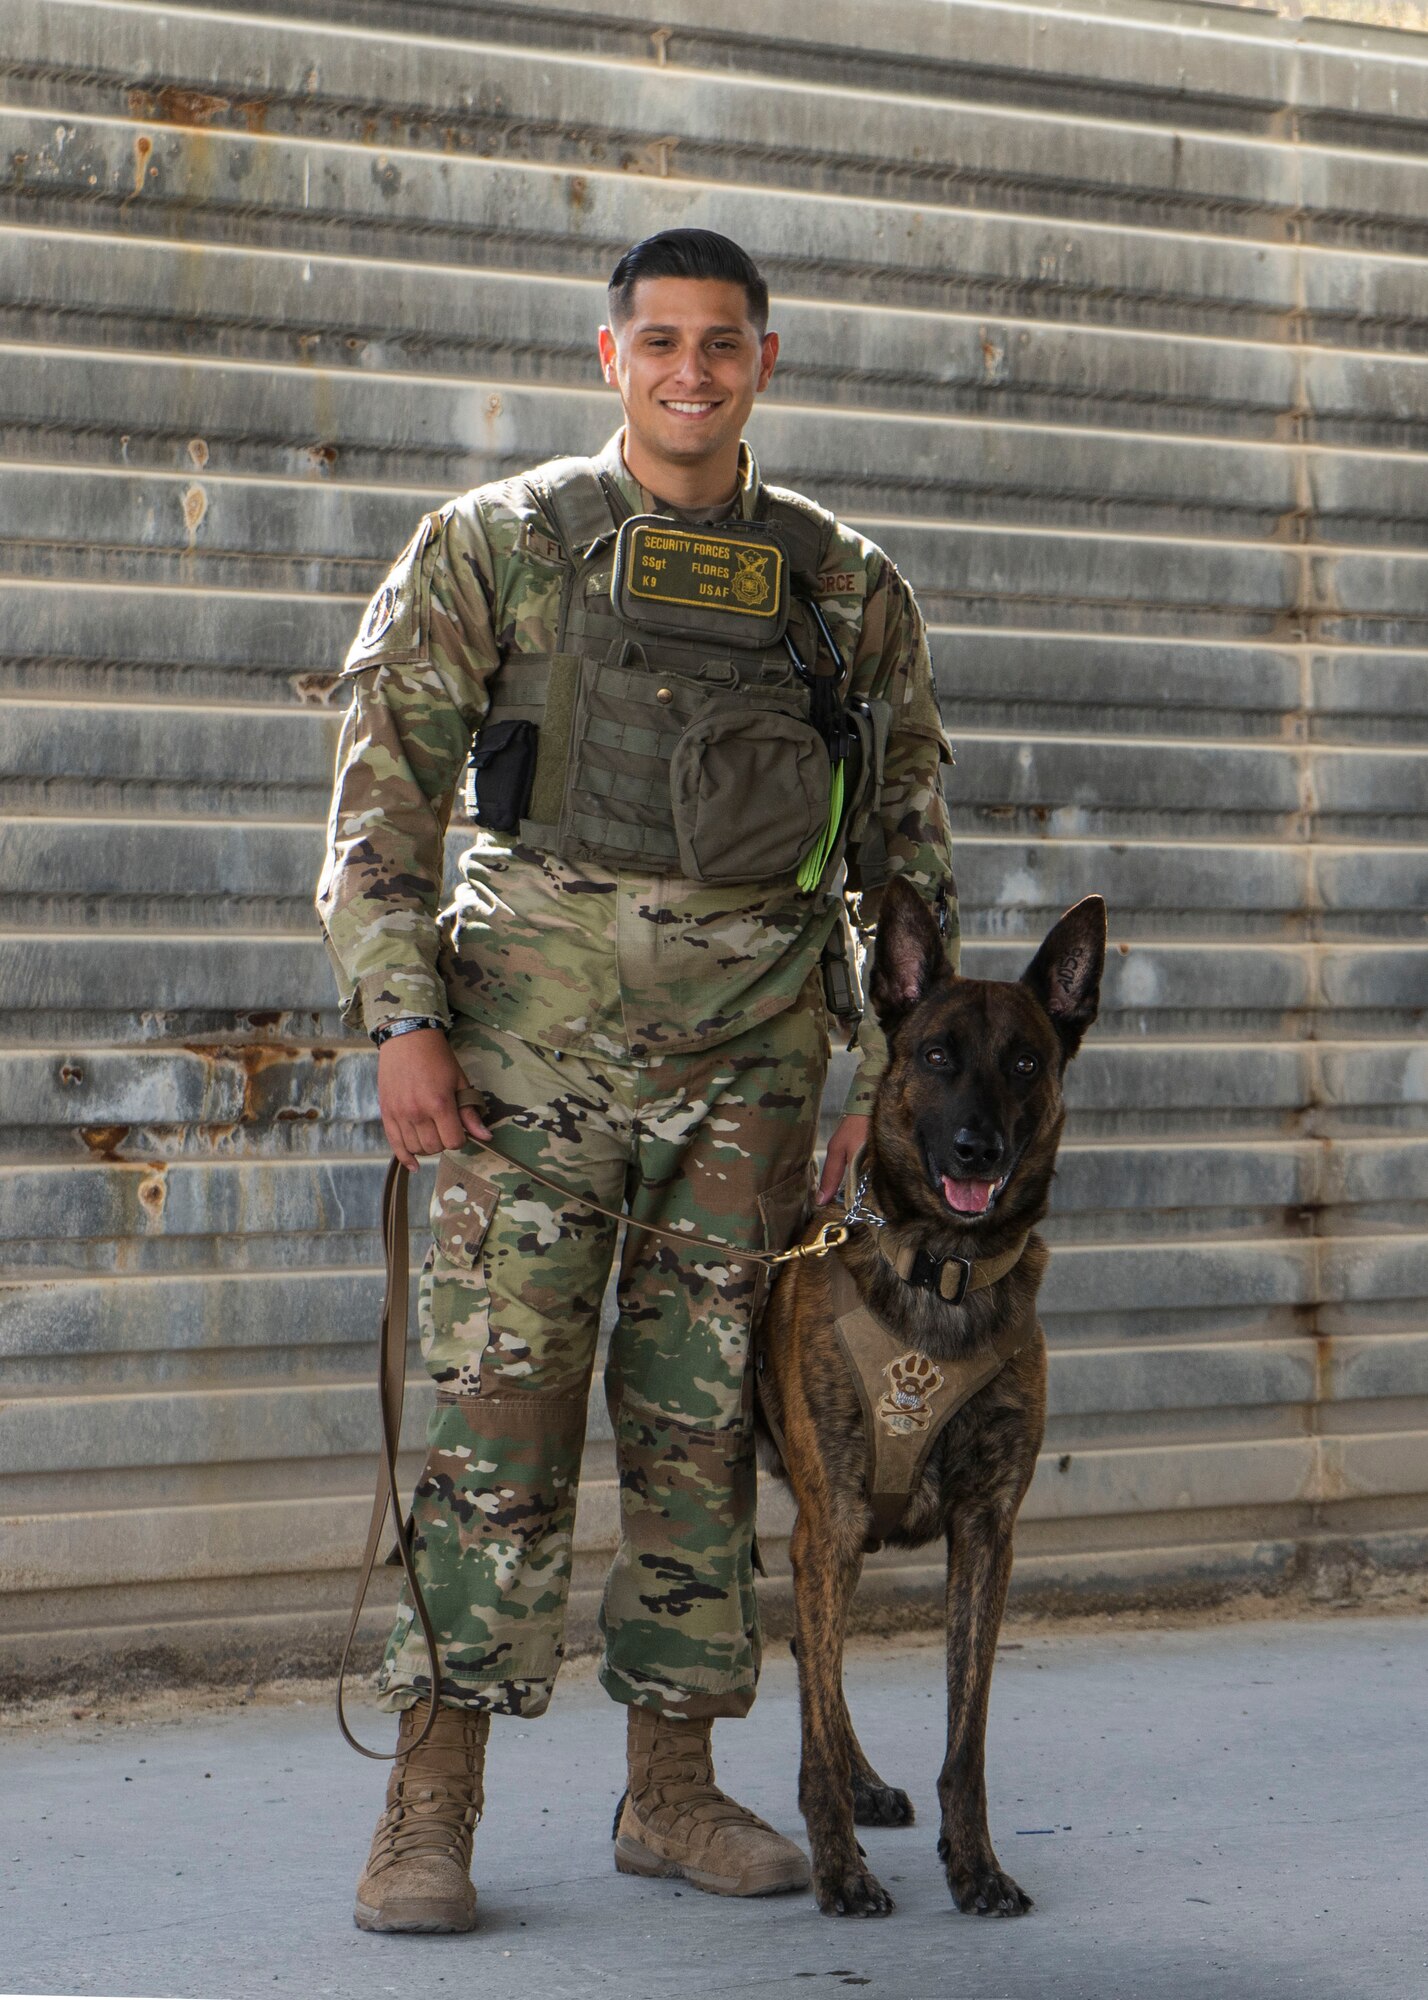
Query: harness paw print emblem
(751, 584)
(912, 1381)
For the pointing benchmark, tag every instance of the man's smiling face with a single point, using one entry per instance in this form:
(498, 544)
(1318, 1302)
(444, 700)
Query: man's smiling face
(688, 363)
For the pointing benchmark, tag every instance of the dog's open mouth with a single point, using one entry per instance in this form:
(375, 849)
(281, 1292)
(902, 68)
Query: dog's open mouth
(971, 1197)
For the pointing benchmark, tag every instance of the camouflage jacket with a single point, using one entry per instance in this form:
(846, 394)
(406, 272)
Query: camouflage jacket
(620, 965)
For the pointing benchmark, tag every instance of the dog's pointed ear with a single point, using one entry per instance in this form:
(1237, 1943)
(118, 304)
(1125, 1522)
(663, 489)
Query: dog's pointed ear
(1065, 975)
(909, 957)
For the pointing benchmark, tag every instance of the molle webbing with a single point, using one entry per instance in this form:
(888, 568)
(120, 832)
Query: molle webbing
(612, 702)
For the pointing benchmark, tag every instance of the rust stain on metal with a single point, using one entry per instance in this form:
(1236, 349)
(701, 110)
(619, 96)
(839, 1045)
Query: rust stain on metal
(316, 690)
(654, 158)
(1323, 1376)
(195, 506)
(254, 113)
(70, 1074)
(577, 191)
(994, 358)
(661, 38)
(104, 1141)
(198, 451)
(143, 147)
(321, 457)
(250, 1059)
(153, 1192)
(173, 105)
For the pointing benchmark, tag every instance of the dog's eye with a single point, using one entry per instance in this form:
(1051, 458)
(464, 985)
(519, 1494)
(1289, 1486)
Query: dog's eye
(936, 1058)
(1026, 1065)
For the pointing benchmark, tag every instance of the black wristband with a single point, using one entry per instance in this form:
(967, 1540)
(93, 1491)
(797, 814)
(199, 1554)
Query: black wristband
(406, 1027)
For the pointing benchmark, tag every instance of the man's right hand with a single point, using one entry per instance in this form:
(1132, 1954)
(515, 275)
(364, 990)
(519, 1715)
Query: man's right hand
(417, 1081)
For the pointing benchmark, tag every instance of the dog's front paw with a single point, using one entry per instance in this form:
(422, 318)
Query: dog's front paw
(981, 1888)
(877, 1804)
(850, 1892)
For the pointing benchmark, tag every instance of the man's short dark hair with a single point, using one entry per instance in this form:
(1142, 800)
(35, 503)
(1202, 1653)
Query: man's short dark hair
(687, 253)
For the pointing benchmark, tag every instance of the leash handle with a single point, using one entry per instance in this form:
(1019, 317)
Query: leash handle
(391, 1387)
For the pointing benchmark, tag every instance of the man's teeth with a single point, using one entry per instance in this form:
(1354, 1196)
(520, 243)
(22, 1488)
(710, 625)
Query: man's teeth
(691, 409)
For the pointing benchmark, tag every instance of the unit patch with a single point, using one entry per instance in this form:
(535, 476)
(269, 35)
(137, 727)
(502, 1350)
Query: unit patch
(380, 613)
(394, 625)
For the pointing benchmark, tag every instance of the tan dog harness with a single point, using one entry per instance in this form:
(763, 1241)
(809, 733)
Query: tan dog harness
(907, 1398)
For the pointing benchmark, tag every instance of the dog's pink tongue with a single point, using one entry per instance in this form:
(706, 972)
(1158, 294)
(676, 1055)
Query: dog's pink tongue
(967, 1197)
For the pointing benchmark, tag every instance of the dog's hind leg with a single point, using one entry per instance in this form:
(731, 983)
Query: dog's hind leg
(823, 1578)
(874, 1803)
(979, 1560)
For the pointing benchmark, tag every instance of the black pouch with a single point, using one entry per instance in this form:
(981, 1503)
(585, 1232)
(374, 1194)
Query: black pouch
(501, 773)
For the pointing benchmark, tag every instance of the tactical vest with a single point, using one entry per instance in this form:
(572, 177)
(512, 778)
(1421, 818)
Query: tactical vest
(692, 719)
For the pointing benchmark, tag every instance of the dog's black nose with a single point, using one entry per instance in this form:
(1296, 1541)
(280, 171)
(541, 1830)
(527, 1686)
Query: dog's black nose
(977, 1152)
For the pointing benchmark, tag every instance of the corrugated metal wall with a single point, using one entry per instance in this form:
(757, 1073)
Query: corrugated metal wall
(1108, 322)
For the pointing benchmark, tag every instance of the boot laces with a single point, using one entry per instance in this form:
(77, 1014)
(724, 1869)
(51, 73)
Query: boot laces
(427, 1818)
(435, 1798)
(680, 1781)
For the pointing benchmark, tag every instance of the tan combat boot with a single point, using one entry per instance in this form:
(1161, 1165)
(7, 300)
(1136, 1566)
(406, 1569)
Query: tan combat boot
(674, 1820)
(418, 1874)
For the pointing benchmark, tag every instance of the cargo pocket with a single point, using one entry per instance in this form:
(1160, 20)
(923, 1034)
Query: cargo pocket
(454, 1296)
(463, 1206)
(783, 1209)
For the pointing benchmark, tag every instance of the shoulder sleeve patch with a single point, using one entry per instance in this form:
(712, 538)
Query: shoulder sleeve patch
(394, 628)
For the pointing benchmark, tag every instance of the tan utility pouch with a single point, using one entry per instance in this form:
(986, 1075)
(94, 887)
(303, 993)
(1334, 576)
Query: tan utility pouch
(749, 789)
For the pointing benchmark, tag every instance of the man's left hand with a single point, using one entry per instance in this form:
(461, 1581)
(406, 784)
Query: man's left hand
(843, 1148)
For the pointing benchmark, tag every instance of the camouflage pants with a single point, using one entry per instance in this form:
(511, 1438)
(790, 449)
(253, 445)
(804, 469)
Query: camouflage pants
(716, 1143)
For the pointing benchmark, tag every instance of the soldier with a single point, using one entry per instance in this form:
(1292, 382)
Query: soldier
(703, 714)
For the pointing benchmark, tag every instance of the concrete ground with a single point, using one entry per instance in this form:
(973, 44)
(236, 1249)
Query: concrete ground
(1237, 1810)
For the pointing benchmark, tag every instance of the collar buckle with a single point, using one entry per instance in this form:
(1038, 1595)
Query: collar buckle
(950, 1277)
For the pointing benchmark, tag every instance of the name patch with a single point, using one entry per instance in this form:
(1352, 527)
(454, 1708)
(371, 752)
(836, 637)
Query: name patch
(668, 565)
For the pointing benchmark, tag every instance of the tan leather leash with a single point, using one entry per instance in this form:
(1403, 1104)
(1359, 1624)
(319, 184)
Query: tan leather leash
(391, 1387)
(828, 1238)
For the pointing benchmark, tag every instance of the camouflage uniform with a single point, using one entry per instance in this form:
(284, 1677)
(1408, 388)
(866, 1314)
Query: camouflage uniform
(639, 1039)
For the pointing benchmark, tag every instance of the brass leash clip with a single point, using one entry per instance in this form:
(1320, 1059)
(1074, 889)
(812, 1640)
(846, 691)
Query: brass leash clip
(829, 1237)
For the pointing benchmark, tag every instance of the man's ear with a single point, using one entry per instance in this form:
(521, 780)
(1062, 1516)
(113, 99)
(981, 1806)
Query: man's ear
(1065, 975)
(909, 957)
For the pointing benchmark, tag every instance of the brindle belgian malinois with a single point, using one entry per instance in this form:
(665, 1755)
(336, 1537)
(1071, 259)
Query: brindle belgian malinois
(960, 1156)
